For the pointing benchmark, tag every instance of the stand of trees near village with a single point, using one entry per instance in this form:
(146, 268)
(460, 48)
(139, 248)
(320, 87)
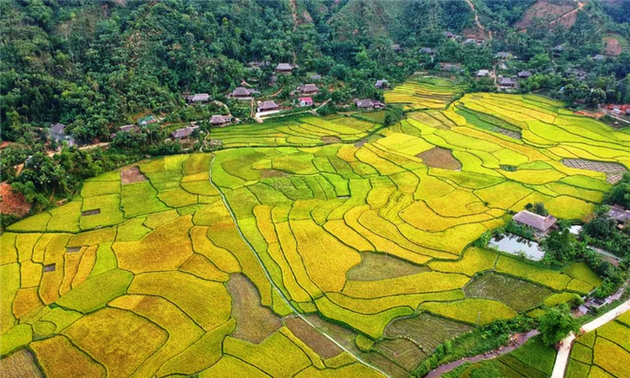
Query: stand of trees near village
(96, 65)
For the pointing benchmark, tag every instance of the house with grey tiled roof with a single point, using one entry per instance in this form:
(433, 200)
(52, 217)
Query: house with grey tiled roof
(284, 68)
(198, 97)
(619, 214)
(57, 133)
(308, 89)
(381, 84)
(184, 132)
(220, 120)
(267, 106)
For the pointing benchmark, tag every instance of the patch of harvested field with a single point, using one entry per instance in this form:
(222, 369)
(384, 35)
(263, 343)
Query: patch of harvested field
(440, 158)
(131, 175)
(12, 203)
(323, 346)
(613, 171)
(403, 351)
(330, 139)
(426, 330)
(518, 294)
(270, 173)
(377, 266)
(254, 322)
(19, 365)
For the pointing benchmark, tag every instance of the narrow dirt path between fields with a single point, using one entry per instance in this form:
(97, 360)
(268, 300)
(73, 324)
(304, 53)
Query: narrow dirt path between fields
(273, 284)
(565, 350)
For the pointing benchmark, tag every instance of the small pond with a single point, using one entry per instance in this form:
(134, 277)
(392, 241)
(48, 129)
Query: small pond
(515, 244)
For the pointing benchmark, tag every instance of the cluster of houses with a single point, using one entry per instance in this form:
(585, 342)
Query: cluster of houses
(620, 110)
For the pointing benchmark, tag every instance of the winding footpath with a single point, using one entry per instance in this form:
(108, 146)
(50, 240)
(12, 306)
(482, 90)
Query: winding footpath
(565, 350)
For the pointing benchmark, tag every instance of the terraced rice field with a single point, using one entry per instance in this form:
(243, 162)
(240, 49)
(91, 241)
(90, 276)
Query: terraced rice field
(201, 264)
(604, 352)
(303, 131)
(423, 93)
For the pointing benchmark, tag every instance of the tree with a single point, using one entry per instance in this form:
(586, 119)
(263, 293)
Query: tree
(556, 324)
(392, 116)
(539, 208)
(596, 97)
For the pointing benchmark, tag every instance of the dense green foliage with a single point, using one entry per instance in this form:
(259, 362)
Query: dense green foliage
(556, 324)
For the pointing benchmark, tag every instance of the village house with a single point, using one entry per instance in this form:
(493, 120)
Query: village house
(483, 73)
(57, 133)
(367, 104)
(616, 111)
(450, 66)
(450, 35)
(220, 120)
(147, 120)
(524, 74)
(502, 55)
(427, 50)
(507, 83)
(305, 101)
(628, 112)
(183, 133)
(472, 41)
(284, 68)
(396, 48)
(540, 224)
(381, 84)
(128, 128)
(618, 213)
(308, 89)
(198, 98)
(267, 106)
(125, 129)
(315, 77)
(599, 57)
(242, 93)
